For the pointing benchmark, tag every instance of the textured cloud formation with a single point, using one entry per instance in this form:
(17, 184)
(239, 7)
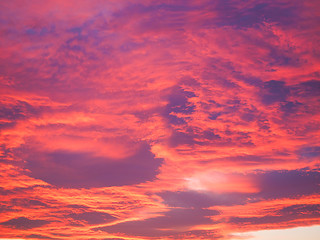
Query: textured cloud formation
(81, 169)
(158, 119)
(24, 223)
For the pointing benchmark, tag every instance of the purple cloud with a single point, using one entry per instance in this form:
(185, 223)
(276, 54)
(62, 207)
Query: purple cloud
(24, 223)
(177, 218)
(84, 170)
(92, 218)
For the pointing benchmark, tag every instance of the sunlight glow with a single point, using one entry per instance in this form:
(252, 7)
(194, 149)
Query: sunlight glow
(299, 233)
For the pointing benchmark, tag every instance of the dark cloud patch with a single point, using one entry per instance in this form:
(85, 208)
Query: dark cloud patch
(62, 234)
(175, 15)
(74, 51)
(286, 214)
(24, 223)
(5, 208)
(37, 236)
(248, 159)
(193, 199)
(289, 108)
(309, 152)
(37, 32)
(5, 192)
(182, 138)
(161, 16)
(308, 88)
(277, 184)
(235, 106)
(195, 136)
(178, 6)
(273, 92)
(7, 125)
(174, 221)
(77, 206)
(174, 120)
(251, 80)
(230, 14)
(81, 48)
(38, 203)
(283, 57)
(211, 135)
(190, 82)
(28, 203)
(248, 115)
(311, 210)
(198, 234)
(113, 239)
(214, 115)
(19, 110)
(7, 156)
(210, 73)
(92, 217)
(12, 113)
(84, 170)
(178, 103)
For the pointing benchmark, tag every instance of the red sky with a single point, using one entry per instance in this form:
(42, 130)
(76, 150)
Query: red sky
(167, 120)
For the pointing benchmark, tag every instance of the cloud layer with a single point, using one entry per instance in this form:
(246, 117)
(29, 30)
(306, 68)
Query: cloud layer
(158, 119)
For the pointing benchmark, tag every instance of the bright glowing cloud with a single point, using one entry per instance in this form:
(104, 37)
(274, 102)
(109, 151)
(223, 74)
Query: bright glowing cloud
(293, 234)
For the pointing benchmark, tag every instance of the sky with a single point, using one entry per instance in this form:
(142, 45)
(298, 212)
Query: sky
(170, 119)
(311, 233)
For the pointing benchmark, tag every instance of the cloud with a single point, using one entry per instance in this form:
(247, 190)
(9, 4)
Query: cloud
(37, 236)
(275, 91)
(158, 119)
(165, 225)
(286, 214)
(92, 218)
(194, 199)
(29, 203)
(84, 170)
(281, 12)
(113, 238)
(178, 103)
(309, 152)
(277, 184)
(24, 223)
